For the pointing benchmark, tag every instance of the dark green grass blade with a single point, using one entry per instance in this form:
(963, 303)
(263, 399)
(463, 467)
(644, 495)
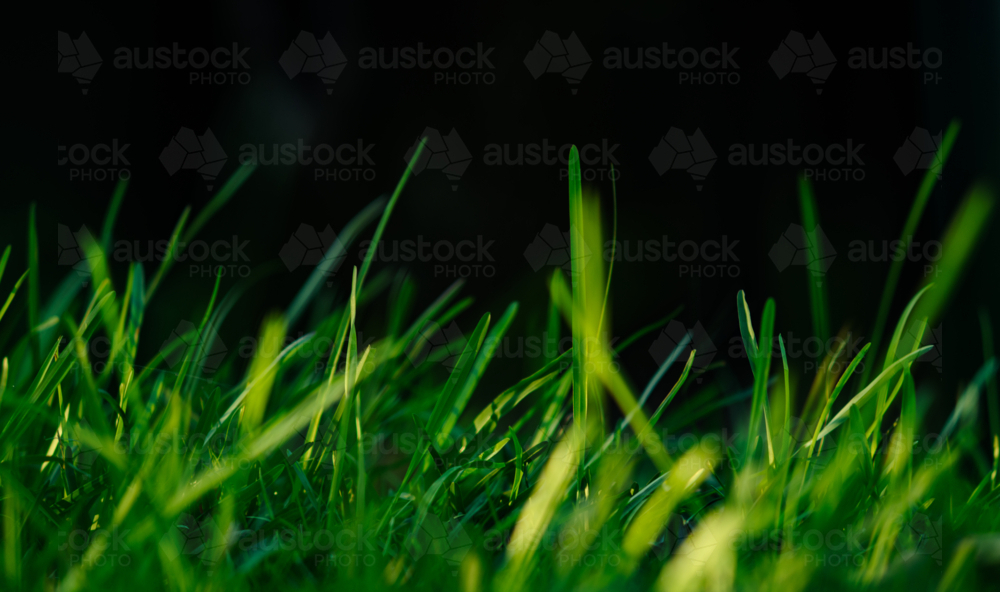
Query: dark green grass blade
(909, 228)
(344, 240)
(746, 330)
(3, 261)
(220, 199)
(577, 253)
(449, 396)
(112, 214)
(817, 288)
(367, 263)
(169, 254)
(761, 374)
(488, 351)
(34, 287)
(992, 399)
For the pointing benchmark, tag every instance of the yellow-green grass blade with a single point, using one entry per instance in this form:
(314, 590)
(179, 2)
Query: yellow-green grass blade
(13, 292)
(536, 515)
(890, 356)
(861, 398)
(272, 335)
(960, 239)
(578, 322)
(687, 475)
(746, 330)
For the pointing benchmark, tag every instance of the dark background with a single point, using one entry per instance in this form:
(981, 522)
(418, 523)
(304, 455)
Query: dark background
(511, 204)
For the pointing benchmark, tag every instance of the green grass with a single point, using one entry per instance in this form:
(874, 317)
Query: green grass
(387, 469)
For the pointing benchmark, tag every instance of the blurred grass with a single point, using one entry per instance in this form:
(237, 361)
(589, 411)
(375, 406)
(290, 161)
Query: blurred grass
(324, 463)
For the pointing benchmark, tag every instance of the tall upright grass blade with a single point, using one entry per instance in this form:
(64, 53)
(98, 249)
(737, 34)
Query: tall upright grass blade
(578, 271)
(817, 289)
(909, 228)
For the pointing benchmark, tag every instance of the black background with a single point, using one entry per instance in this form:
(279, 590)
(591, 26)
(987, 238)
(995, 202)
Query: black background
(509, 205)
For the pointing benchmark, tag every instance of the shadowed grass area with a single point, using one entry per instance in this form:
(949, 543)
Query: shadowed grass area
(329, 461)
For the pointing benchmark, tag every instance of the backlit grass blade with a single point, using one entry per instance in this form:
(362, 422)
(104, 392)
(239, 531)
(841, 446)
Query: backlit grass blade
(861, 398)
(963, 232)
(909, 228)
(272, 336)
(890, 357)
(344, 411)
(3, 260)
(578, 322)
(786, 423)
(536, 515)
(688, 474)
(746, 330)
(489, 417)
(13, 292)
(670, 395)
